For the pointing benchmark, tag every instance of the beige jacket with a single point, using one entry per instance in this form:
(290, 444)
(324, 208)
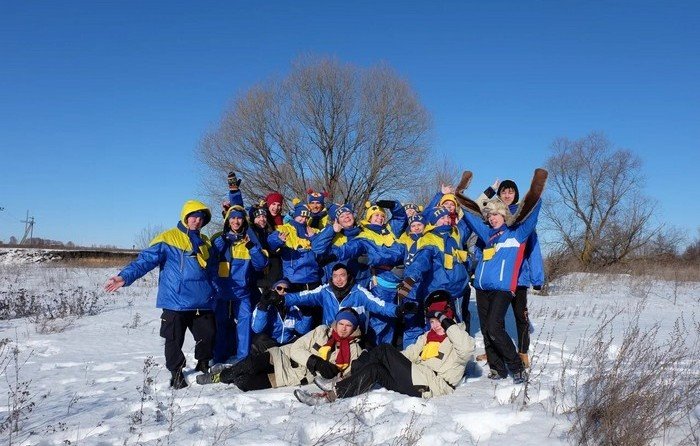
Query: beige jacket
(289, 360)
(443, 372)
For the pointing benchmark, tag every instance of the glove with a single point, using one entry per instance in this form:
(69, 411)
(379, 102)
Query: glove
(407, 307)
(404, 288)
(537, 287)
(265, 301)
(446, 322)
(249, 245)
(325, 259)
(274, 298)
(233, 181)
(386, 204)
(318, 365)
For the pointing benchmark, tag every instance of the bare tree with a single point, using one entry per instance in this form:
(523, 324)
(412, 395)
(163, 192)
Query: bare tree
(596, 204)
(355, 133)
(442, 171)
(143, 238)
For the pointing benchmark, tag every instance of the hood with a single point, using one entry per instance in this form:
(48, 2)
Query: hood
(193, 206)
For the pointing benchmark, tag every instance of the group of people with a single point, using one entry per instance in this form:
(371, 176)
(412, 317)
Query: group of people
(346, 299)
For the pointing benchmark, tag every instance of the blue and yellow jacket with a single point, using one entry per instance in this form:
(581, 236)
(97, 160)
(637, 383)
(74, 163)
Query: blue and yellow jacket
(437, 201)
(502, 251)
(327, 239)
(359, 298)
(298, 255)
(237, 265)
(440, 263)
(383, 250)
(269, 321)
(186, 273)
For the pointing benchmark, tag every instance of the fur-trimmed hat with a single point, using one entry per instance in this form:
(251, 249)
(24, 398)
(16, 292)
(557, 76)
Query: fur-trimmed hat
(373, 209)
(508, 184)
(495, 206)
(436, 214)
(301, 210)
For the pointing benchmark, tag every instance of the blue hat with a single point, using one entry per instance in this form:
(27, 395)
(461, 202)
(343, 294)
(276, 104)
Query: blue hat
(282, 281)
(315, 196)
(301, 210)
(200, 214)
(235, 211)
(417, 218)
(342, 209)
(348, 314)
(436, 214)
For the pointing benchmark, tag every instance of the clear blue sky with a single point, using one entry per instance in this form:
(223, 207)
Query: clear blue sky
(102, 104)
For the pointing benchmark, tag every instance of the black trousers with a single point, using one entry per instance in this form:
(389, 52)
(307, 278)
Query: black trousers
(384, 365)
(250, 373)
(500, 351)
(466, 315)
(261, 342)
(522, 322)
(173, 326)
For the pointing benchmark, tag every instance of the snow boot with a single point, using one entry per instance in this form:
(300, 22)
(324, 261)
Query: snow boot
(208, 378)
(525, 359)
(481, 357)
(326, 384)
(314, 399)
(178, 380)
(219, 367)
(202, 366)
(520, 377)
(494, 375)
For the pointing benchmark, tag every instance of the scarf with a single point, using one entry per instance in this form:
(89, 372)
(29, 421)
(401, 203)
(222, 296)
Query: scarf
(375, 228)
(351, 232)
(194, 236)
(342, 359)
(275, 220)
(300, 228)
(453, 218)
(341, 293)
(432, 345)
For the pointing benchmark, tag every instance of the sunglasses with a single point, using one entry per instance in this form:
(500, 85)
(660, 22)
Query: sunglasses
(281, 288)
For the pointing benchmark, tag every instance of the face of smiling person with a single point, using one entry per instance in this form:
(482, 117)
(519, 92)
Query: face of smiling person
(260, 221)
(235, 223)
(496, 220)
(346, 220)
(507, 196)
(275, 209)
(344, 328)
(436, 326)
(450, 206)
(377, 219)
(315, 207)
(195, 223)
(417, 227)
(340, 277)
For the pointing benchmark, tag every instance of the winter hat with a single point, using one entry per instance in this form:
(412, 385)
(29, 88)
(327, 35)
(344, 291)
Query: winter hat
(235, 211)
(495, 206)
(448, 197)
(283, 282)
(348, 314)
(373, 209)
(300, 210)
(315, 196)
(256, 212)
(200, 214)
(417, 218)
(437, 214)
(439, 300)
(274, 197)
(508, 184)
(343, 209)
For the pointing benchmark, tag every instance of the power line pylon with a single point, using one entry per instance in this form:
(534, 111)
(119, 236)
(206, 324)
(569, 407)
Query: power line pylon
(28, 228)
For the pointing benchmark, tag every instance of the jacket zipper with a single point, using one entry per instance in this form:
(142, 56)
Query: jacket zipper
(503, 264)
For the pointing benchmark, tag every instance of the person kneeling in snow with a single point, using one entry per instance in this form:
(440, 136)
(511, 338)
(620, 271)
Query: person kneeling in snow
(325, 351)
(433, 366)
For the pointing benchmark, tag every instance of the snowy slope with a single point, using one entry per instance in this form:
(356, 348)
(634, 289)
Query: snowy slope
(102, 380)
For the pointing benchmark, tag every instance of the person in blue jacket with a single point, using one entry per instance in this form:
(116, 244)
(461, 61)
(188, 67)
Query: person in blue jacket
(185, 288)
(413, 324)
(440, 262)
(240, 256)
(274, 324)
(385, 255)
(319, 216)
(342, 292)
(496, 280)
(531, 271)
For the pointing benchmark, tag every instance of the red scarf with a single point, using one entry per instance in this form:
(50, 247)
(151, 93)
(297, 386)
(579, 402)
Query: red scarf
(434, 337)
(453, 218)
(342, 359)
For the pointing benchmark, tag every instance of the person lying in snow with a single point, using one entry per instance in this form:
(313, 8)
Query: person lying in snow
(433, 366)
(325, 351)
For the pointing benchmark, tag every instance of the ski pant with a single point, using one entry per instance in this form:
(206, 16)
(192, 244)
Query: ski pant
(522, 322)
(250, 374)
(383, 365)
(174, 325)
(500, 351)
(233, 332)
(261, 343)
(381, 328)
(465, 313)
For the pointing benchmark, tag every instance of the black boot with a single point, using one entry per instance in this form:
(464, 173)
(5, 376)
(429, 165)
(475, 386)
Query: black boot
(202, 366)
(178, 380)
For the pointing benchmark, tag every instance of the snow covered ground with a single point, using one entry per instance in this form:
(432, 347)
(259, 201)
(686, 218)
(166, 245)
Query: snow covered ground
(100, 379)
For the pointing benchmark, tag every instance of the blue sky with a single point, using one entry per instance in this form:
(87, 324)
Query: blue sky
(102, 104)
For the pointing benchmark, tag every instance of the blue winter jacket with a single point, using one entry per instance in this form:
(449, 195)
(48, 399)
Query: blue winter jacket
(297, 252)
(186, 276)
(359, 298)
(383, 250)
(532, 270)
(440, 263)
(437, 201)
(269, 321)
(237, 265)
(328, 238)
(502, 251)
